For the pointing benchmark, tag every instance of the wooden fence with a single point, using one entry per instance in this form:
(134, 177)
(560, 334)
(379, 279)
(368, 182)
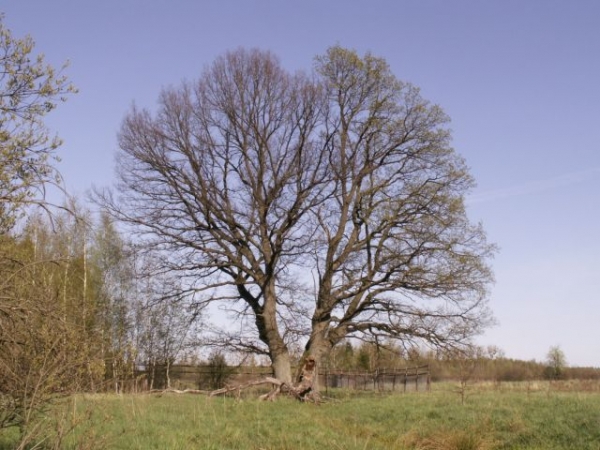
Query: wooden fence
(415, 379)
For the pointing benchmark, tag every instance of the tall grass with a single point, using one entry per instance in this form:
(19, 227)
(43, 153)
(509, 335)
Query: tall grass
(490, 419)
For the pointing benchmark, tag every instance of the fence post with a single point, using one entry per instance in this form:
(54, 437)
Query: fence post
(428, 379)
(417, 379)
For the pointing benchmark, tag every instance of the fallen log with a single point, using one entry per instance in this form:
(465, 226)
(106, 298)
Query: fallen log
(239, 387)
(178, 391)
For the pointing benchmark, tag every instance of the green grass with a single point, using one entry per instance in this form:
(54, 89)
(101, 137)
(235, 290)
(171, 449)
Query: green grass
(489, 419)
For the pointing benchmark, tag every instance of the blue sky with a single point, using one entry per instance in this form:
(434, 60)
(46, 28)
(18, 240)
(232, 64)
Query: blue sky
(520, 80)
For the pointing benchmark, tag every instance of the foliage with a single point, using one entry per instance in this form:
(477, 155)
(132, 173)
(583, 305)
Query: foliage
(556, 363)
(73, 314)
(468, 366)
(29, 89)
(215, 373)
(40, 354)
(47, 317)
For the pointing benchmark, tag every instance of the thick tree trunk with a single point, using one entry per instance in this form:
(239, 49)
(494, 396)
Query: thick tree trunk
(266, 322)
(317, 348)
(282, 367)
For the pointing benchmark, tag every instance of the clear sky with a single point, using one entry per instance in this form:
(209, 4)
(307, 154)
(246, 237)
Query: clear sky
(519, 78)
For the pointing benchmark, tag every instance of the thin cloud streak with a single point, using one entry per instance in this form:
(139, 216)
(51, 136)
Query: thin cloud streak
(533, 187)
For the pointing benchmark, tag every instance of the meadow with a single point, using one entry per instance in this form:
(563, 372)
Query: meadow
(499, 417)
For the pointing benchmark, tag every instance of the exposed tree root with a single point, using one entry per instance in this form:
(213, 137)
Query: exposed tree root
(299, 392)
(303, 391)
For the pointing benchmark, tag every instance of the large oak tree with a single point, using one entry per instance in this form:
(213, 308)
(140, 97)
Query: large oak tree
(316, 207)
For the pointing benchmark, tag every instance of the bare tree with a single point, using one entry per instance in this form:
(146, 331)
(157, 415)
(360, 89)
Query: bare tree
(315, 207)
(394, 251)
(163, 323)
(466, 363)
(222, 176)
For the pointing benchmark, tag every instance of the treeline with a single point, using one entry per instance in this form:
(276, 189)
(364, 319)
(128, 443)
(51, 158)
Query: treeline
(82, 310)
(476, 363)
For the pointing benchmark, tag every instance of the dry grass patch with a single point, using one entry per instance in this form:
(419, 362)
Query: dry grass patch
(448, 440)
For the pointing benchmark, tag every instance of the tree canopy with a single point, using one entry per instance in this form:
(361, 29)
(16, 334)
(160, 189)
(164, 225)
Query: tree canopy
(29, 89)
(556, 363)
(315, 206)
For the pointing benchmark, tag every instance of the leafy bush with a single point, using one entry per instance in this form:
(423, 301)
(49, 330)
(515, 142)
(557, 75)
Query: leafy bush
(215, 373)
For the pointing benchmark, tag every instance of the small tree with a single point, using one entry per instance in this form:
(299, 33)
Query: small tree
(465, 364)
(166, 322)
(342, 357)
(556, 363)
(363, 358)
(216, 372)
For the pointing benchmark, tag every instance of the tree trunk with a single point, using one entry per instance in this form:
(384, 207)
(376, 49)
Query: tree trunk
(317, 348)
(282, 367)
(266, 322)
(168, 373)
(323, 336)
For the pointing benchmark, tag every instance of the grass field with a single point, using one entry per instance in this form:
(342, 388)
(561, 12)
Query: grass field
(508, 418)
